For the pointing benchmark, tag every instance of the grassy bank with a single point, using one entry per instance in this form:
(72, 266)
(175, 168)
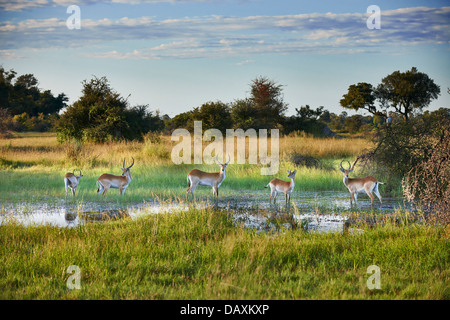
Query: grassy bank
(199, 254)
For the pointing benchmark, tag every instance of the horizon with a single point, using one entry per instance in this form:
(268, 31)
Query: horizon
(177, 55)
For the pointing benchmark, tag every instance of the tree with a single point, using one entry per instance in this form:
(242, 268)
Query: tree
(244, 114)
(267, 97)
(407, 91)
(140, 121)
(5, 121)
(101, 114)
(306, 120)
(181, 120)
(22, 95)
(353, 123)
(360, 96)
(214, 115)
(325, 116)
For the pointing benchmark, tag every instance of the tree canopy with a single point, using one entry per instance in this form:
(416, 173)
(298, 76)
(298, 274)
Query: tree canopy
(360, 96)
(21, 95)
(102, 114)
(405, 92)
(267, 98)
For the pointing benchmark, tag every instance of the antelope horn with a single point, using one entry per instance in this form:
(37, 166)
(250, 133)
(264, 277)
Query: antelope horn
(123, 166)
(349, 165)
(132, 163)
(228, 159)
(217, 160)
(341, 164)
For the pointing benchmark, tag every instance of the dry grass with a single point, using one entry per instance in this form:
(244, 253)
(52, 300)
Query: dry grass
(324, 147)
(44, 150)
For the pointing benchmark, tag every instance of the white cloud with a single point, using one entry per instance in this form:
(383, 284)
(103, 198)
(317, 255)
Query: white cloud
(19, 5)
(217, 36)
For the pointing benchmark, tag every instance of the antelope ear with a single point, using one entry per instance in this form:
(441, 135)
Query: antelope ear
(295, 171)
(351, 170)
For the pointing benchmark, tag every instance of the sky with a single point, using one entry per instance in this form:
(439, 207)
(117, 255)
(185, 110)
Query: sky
(174, 55)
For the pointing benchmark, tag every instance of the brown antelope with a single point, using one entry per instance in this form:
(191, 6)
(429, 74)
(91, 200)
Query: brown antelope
(368, 184)
(200, 178)
(106, 180)
(71, 181)
(277, 185)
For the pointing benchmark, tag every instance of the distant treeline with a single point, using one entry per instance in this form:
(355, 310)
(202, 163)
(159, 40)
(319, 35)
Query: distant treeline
(101, 114)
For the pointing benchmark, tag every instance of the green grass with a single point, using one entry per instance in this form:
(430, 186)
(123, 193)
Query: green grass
(200, 254)
(163, 181)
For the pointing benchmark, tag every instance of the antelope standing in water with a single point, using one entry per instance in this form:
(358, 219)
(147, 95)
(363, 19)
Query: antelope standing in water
(286, 187)
(368, 184)
(106, 180)
(200, 178)
(71, 181)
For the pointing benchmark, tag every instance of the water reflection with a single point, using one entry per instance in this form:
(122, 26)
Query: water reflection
(311, 211)
(74, 217)
(62, 215)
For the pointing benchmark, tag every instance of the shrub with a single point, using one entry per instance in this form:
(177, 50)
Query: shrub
(428, 182)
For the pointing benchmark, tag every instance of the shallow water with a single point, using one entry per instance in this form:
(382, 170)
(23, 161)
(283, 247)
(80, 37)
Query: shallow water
(316, 211)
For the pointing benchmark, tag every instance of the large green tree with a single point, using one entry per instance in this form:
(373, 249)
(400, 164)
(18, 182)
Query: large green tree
(214, 115)
(407, 91)
(244, 114)
(267, 97)
(102, 114)
(360, 96)
(21, 95)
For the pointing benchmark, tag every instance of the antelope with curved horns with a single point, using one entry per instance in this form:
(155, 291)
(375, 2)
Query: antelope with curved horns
(106, 180)
(200, 178)
(368, 184)
(71, 181)
(277, 185)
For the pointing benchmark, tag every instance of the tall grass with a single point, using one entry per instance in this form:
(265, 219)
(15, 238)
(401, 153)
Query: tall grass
(200, 254)
(44, 150)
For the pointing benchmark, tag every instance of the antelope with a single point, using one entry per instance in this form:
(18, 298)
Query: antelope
(200, 178)
(368, 184)
(277, 185)
(71, 181)
(106, 180)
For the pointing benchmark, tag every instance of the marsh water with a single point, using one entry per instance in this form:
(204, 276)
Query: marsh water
(317, 211)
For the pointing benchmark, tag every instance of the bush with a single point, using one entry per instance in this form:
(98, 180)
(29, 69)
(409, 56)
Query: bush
(406, 144)
(305, 160)
(428, 182)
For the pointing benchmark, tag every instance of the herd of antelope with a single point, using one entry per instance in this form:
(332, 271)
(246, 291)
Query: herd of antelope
(214, 179)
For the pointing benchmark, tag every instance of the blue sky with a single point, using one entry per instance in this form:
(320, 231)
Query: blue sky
(176, 55)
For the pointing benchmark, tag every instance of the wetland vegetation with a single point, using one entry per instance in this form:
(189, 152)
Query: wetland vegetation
(158, 245)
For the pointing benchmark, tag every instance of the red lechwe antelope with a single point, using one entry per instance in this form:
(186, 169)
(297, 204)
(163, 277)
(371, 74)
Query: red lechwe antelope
(277, 185)
(200, 178)
(71, 181)
(368, 184)
(106, 180)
